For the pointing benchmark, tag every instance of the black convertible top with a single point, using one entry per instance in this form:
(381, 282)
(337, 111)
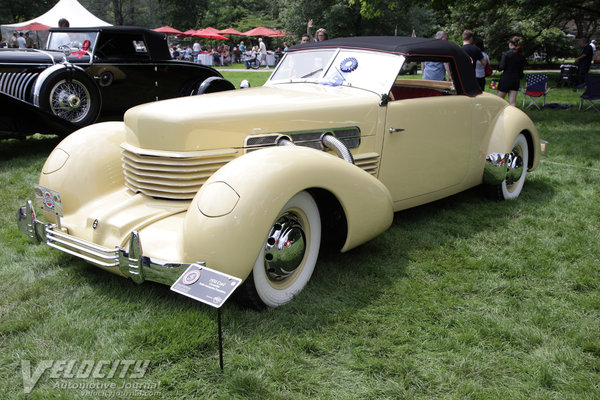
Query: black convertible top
(156, 42)
(416, 48)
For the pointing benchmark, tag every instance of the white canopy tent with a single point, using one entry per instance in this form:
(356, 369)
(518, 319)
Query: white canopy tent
(72, 10)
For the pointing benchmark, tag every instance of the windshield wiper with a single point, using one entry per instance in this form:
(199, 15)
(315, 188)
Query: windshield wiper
(311, 73)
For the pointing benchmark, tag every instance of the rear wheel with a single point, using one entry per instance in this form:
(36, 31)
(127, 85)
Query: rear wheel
(288, 255)
(518, 161)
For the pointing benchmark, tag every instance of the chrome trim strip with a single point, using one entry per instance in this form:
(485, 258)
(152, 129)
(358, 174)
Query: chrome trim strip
(82, 256)
(47, 54)
(92, 249)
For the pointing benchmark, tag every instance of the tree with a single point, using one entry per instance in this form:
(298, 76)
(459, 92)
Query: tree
(540, 23)
(356, 17)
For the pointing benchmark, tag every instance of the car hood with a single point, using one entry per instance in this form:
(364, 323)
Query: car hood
(223, 120)
(30, 56)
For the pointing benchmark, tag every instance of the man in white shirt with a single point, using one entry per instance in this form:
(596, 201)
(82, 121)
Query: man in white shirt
(262, 50)
(21, 40)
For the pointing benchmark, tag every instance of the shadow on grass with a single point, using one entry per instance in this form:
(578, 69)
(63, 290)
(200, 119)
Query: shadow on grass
(32, 146)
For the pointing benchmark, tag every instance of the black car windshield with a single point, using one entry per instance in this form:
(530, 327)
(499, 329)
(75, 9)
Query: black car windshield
(368, 70)
(72, 41)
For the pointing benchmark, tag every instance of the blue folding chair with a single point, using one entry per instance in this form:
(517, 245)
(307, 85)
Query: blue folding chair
(592, 92)
(535, 90)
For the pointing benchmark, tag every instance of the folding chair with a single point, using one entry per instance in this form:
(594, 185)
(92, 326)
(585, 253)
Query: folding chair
(592, 92)
(536, 89)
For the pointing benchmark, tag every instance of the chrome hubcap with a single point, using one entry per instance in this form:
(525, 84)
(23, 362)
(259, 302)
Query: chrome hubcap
(515, 166)
(285, 247)
(68, 101)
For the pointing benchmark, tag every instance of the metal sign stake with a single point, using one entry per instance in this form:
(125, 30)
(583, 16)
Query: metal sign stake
(220, 338)
(210, 287)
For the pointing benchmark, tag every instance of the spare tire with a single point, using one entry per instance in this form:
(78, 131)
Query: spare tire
(214, 84)
(70, 94)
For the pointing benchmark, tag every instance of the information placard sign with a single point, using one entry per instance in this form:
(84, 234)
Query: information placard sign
(206, 285)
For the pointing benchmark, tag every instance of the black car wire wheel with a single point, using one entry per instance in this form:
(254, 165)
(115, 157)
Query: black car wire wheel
(71, 95)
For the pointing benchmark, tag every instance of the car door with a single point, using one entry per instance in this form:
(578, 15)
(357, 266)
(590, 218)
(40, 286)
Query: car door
(427, 145)
(123, 70)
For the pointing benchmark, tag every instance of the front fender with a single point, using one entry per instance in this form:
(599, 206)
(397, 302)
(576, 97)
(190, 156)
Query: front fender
(245, 196)
(86, 165)
(510, 122)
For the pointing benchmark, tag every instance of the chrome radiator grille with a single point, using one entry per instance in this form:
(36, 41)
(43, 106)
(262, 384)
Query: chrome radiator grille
(176, 176)
(17, 84)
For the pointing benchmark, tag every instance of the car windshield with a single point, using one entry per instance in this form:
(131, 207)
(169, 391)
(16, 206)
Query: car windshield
(72, 40)
(368, 70)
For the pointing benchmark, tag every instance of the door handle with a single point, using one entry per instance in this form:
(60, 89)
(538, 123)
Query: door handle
(393, 130)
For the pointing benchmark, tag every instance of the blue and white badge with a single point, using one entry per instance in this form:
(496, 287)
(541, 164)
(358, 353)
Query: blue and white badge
(349, 64)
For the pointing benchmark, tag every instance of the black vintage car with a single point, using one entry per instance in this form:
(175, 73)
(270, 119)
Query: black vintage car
(89, 72)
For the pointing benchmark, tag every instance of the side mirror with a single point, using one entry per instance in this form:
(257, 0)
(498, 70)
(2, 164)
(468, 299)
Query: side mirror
(244, 84)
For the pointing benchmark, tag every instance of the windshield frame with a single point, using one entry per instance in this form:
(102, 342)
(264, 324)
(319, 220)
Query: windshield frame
(364, 69)
(84, 35)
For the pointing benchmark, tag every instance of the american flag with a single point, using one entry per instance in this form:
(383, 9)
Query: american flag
(536, 82)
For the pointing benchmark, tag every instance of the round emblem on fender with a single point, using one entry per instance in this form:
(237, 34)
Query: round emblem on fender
(48, 200)
(349, 64)
(191, 277)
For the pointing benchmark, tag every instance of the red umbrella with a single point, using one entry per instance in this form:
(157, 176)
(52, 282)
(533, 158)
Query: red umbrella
(205, 33)
(210, 29)
(188, 33)
(34, 26)
(230, 31)
(168, 30)
(262, 31)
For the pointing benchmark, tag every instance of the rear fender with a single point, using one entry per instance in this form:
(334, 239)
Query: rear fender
(507, 127)
(228, 220)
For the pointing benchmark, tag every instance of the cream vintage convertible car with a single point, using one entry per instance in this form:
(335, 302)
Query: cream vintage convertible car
(252, 182)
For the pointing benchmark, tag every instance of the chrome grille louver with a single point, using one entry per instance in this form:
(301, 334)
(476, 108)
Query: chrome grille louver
(171, 175)
(367, 161)
(17, 84)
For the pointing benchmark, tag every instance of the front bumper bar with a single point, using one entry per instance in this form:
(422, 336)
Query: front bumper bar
(130, 262)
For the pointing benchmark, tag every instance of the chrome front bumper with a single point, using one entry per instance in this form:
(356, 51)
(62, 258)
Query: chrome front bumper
(129, 262)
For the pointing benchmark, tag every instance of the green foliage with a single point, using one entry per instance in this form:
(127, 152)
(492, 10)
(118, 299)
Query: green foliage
(541, 24)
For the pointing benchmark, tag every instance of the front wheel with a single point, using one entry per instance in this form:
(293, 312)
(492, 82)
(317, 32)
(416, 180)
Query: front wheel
(288, 256)
(511, 186)
(71, 95)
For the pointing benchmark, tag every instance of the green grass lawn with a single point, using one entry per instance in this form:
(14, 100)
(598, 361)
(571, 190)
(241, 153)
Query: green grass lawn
(464, 298)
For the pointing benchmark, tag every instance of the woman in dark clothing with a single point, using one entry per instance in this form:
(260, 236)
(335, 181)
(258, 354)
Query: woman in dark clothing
(512, 63)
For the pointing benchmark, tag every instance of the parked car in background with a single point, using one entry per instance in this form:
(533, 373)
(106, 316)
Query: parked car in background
(253, 183)
(409, 68)
(89, 72)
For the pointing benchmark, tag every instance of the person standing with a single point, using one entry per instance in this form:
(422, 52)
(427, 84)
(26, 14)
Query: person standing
(436, 71)
(471, 49)
(63, 23)
(195, 52)
(14, 41)
(262, 51)
(512, 64)
(320, 35)
(29, 41)
(584, 61)
(479, 67)
(21, 40)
